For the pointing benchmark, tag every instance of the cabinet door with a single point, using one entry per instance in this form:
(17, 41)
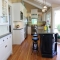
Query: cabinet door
(29, 30)
(9, 42)
(21, 7)
(8, 46)
(25, 12)
(3, 49)
(46, 43)
(16, 11)
(22, 35)
(16, 37)
(2, 52)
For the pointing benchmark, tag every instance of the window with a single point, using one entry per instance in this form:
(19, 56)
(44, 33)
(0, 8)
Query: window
(34, 21)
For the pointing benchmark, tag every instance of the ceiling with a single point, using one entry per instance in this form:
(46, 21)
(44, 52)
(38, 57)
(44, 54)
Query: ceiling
(29, 7)
(14, 1)
(50, 1)
(33, 4)
(36, 4)
(53, 1)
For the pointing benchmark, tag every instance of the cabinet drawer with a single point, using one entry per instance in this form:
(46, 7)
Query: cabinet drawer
(5, 46)
(2, 40)
(3, 51)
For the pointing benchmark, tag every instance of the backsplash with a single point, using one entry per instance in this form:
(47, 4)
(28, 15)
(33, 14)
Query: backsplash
(21, 25)
(4, 30)
(39, 23)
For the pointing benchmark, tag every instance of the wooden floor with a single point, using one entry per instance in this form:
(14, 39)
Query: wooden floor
(24, 52)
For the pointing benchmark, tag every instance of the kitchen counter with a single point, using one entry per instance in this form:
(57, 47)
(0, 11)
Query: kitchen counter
(4, 35)
(18, 36)
(46, 32)
(17, 28)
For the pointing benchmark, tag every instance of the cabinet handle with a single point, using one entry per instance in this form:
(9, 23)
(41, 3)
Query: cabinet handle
(3, 40)
(7, 38)
(5, 46)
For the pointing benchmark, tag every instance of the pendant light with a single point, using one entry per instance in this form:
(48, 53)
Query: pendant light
(44, 7)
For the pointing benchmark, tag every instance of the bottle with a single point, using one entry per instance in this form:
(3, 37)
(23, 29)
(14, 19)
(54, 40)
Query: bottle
(45, 27)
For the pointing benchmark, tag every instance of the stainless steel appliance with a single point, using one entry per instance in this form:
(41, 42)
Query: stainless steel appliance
(25, 31)
(34, 29)
(25, 27)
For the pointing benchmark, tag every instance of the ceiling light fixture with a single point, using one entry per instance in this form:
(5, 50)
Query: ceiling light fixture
(44, 7)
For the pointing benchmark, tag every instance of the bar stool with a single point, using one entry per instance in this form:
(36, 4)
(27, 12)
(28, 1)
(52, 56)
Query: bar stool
(35, 43)
(35, 35)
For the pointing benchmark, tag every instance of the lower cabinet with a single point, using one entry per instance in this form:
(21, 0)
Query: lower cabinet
(48, 45)
(5, 47)
(18, 36)
(29, 30)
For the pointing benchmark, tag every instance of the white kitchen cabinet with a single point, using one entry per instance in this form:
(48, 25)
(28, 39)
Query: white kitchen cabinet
(5, 47)
(44, 17)
(21, 7)
(25, 12)
(29, 30)
(3, 12)
(34, 13)
(18, 36)
(17, 9)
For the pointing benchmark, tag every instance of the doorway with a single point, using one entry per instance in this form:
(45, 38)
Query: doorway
(57, 23)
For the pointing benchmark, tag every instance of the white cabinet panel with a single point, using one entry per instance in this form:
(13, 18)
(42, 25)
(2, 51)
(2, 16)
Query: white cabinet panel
(17, 9)
(9, 42)
(2, 53)
(18, 36)
(29, 30)
(5, 47)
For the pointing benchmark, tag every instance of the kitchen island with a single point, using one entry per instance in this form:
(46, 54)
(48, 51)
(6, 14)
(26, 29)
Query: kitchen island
(48, 44)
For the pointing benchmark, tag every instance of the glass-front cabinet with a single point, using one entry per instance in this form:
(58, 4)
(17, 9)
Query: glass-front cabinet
(4, 21)
(4, 12)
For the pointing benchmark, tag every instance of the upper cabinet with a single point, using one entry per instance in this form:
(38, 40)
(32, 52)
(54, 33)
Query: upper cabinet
(19, 12)
(3, 12)
(44, 17)
(34, 13)
(25, 12)
(16, 11)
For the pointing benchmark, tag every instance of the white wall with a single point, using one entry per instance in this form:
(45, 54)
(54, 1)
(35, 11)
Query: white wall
(21, 24)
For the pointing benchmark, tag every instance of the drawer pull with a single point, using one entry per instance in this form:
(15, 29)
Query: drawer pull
(5, 46)
(7, 38)
(3, 40)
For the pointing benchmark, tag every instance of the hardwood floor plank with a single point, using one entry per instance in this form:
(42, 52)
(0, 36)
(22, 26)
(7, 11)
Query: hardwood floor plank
(24, 52)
